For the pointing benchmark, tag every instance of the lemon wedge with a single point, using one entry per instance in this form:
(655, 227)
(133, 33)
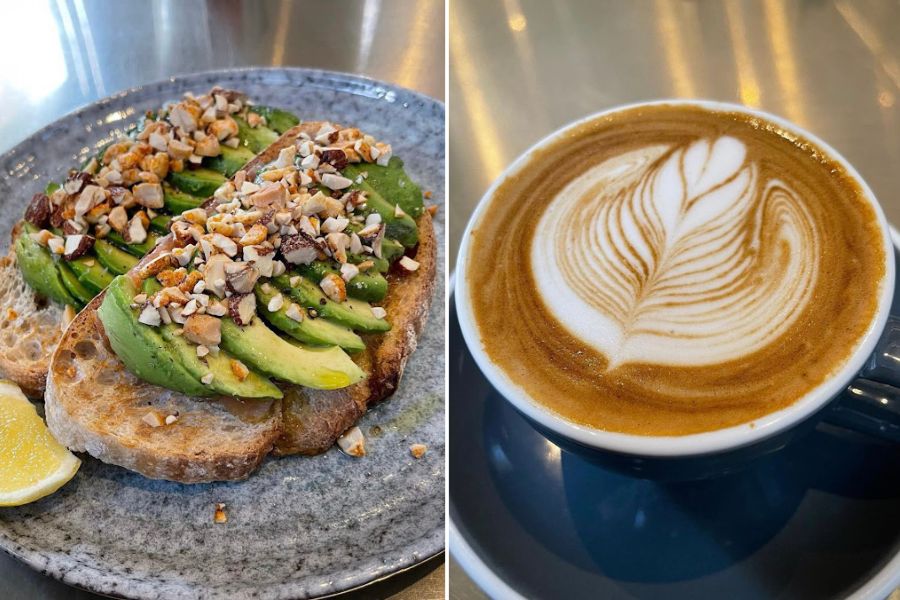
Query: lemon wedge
(32, 463)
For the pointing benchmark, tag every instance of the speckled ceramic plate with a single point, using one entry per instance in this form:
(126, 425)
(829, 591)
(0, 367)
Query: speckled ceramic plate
(300, 527)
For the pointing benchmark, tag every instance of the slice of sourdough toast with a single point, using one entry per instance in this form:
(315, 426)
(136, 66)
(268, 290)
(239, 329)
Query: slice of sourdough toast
(30, 328)
(313, 419)
(95, 405)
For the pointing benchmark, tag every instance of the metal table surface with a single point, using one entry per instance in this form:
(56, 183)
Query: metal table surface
(57, 55)
(521, 68)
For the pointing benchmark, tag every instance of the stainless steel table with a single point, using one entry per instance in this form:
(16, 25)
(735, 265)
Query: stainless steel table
(56, 55)
(522, 68)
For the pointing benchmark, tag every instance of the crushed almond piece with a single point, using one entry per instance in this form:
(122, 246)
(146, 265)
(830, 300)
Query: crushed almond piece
(220, 516)
(171, 419)
(353, 442)
(418, 450)
(409, 264)
(428, 194)
(239, 369)
(153, 419)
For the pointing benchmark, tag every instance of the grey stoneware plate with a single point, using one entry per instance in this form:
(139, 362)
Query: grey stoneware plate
(300, 527)
(817, 520)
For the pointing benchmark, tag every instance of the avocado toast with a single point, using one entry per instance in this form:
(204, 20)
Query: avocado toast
(78, 234)
(341, 255)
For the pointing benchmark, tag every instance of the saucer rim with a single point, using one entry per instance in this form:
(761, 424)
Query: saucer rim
(878, 587)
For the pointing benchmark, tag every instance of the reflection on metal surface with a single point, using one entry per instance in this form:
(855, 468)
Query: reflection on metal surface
(281, 31)
(420, 28)
(475, 107)
(517, 22)
(73, 48)
(90, 49)
(44, 70)
(680, 69)
(871, 39)
(748, 86)
(367, 26)
(783, 54)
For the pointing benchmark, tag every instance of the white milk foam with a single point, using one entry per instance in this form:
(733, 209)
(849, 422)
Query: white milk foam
(676, 256)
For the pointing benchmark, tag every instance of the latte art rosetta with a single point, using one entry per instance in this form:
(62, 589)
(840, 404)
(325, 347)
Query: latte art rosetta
(669, 269)
(676, 255)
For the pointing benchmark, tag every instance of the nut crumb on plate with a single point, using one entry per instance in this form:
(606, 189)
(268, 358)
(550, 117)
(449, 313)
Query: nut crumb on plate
(418, 450)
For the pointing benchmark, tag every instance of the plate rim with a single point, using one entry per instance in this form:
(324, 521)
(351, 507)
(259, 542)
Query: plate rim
(49, 564)
(878, 586)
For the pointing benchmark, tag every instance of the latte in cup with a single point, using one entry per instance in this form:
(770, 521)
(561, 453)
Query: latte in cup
(672, 269)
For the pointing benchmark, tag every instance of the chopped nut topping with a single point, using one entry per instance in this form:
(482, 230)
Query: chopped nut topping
(203, 330)
(409, 264)
(353, 442)
(153, 419)
(242, 308)
(220, 516)
(334, 287)
(418, 450)
(239, 369)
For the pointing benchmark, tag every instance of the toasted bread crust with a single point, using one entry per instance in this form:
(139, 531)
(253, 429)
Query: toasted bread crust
(30, 328)
(110, 426)
(316, 418)
(94, 405)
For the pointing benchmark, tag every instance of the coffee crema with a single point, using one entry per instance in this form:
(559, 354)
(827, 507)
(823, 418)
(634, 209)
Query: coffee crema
(669, 269)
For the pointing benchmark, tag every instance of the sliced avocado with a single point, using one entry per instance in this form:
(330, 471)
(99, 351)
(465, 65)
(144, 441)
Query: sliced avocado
(381, 264)
(230, 160)
(141, 347)
(177, 202)
(39, 269)
(261, 348)
(402, 228)
(160, 223)
(112, 258)
(276, 119)
(256, 138)
(392, 183)
(369, 286)
(79, 291)
(391, 250)
(134, 249)
(355, 314)
(197, 182)
(51, 187)
(224, 380)
(91, 273)
(321, 332)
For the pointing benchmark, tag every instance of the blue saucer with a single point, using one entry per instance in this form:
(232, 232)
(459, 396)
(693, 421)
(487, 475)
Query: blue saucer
(819, 519)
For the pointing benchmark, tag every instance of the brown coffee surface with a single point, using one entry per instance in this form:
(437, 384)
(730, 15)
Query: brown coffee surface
(578, 380)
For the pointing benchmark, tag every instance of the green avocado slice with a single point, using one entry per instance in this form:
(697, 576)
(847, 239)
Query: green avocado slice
(276, 119)
(202, 183)
(140, 347)
(117, 261)
(355, 314)
(261, 348)
(79, 291)
(138, 250)
(369, 286)
(40, 270)
(176, 201)
(311, 331)
(224, 380)
(90, 273)
(392, 183)
(256, 139)
(230, 160)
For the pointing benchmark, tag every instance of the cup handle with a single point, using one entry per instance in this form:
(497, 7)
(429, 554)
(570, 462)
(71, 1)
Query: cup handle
(871, 404)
